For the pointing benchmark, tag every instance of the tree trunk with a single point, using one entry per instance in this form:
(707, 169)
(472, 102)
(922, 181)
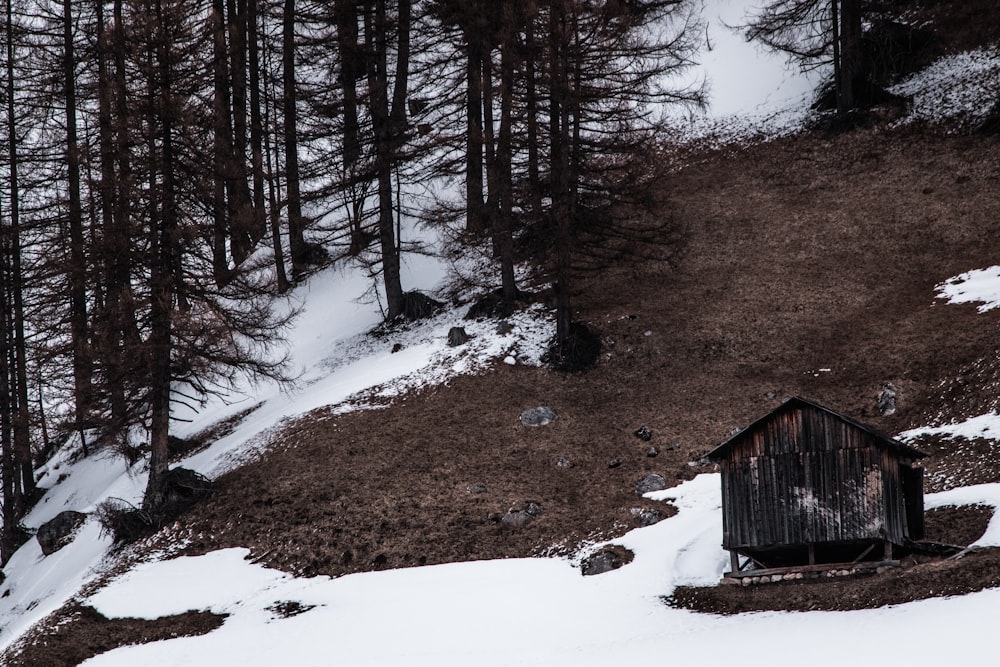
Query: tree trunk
(162, 282)
(505, 221)
(222, 145)
(531, 108)
(240, 240)
(474, 219)
(850, 54)
(350, 69)
(388, 124)
(296, 223)
(559, 148)
(79, 326)
(257, 224)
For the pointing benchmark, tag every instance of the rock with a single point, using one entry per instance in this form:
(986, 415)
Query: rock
(607, 559)
(510, 360)
(504, 328)
(396, 348)
(476, 488)
(539, 416)
(887, 400)
(652, 451)
(650, 483)
(563, 462)
(53, 535)
(614, 463)
(518, 517)
(647, 517)
(644, 433)
(771, 395)
(457, 336)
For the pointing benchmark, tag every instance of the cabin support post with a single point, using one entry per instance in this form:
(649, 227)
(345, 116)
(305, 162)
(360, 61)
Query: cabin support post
(812, 553)
(888, 550)
(734, 561)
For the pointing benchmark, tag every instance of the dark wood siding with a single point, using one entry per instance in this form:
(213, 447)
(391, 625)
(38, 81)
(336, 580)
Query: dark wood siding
(806, 476)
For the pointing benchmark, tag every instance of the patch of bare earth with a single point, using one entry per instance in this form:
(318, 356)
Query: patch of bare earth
(83, 633)
(916, 578)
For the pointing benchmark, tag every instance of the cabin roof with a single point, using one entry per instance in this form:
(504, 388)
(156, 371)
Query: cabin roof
(797, 401)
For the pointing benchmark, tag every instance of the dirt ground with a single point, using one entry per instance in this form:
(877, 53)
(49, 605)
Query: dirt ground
(805, 266)
(916, 578)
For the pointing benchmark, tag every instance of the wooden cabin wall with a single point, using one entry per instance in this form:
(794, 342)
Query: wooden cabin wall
(808, 477)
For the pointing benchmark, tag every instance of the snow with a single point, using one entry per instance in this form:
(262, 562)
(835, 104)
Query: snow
(340, 365)
(537, 611)
(751, 90)
(985, 426)
(963, 86)
(980, 285)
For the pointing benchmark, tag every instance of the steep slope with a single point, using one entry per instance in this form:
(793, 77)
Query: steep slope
(804, 266)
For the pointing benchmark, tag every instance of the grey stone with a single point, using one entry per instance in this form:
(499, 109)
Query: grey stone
(649, 517)
(652, 451)
(644, 433)
(539, 416)
(607, 559)
(477, 488)
(457, 336)
(887, 400)
(518, 517)
(563, 462)
(504, 328)
(53, 535)
(651, 482)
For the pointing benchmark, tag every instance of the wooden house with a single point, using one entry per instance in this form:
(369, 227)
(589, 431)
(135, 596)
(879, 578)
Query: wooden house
(806, 487)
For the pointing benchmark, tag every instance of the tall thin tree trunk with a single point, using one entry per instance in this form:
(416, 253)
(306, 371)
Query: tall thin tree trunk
(272, 185)
(257, 224)
(162, 282)
(79, 326)
(296, 223)
(222, 145)
(531, 107)
(489, 142)
(504, 225)
(559, 140)
(389, 125)
(850, 53)
(347, 42)
(240, 223)
(474, 221)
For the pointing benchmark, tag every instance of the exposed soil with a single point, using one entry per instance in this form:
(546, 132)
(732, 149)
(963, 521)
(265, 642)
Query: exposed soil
(84, 633)
(917, 578)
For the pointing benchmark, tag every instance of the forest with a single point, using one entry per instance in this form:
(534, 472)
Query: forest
(170, 168)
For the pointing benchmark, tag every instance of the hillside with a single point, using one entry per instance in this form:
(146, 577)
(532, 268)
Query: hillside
(806, 265)
(796, 256)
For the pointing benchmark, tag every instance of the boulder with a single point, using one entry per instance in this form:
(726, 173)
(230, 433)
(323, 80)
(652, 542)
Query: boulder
(53, 535)
(518, 517)
(649, 483)
(608, 558)
(539, 416)
(887, 400)
(644, 433)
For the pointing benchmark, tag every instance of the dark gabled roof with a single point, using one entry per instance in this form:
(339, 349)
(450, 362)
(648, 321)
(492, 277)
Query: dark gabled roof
(797, 401)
